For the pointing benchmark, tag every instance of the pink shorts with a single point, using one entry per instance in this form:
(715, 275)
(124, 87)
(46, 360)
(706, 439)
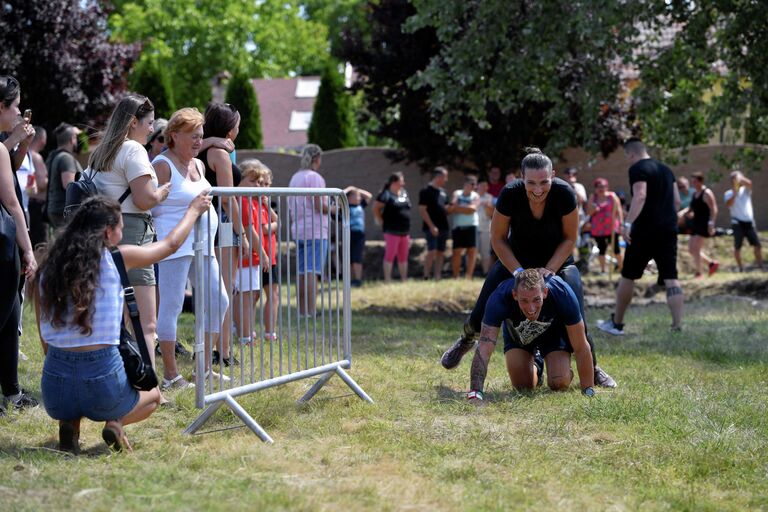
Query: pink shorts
(396, 246)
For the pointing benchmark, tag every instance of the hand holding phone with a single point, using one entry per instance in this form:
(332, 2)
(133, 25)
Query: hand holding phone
(28, 115)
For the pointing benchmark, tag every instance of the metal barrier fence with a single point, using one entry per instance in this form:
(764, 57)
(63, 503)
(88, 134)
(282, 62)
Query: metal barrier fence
(278, 334)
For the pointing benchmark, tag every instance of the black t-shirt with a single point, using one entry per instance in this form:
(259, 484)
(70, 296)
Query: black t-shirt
(534, 241)
(59, 160)
(658, 212)
(435, 200)
(396, 212)
(210, 175)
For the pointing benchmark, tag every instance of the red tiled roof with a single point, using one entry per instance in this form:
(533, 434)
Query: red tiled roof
(277, 99)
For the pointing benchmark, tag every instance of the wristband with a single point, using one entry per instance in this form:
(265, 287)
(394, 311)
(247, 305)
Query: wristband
(628, 226)
(474, 394)
(517, 271)
(711, 223)
(588, 391)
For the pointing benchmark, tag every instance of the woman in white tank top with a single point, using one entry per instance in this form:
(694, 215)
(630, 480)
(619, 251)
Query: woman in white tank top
(179, 167)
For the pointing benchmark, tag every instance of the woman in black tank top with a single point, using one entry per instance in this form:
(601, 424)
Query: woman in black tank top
(223, 120)
(703, 211)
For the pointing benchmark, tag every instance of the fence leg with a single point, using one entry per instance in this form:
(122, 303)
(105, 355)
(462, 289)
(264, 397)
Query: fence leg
(352, 384)
(200, 421)
(250, 422)
(315, 388)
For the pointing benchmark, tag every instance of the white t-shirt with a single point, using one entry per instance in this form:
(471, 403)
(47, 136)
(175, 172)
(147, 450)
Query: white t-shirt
(742, 205)
(25, 170)
(485, 220)
(131, 162)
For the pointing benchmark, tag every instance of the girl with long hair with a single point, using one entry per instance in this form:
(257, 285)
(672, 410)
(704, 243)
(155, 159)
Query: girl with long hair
(79, 307)
(121, 170)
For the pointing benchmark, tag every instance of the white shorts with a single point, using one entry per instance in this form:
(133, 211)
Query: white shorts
(248, 279)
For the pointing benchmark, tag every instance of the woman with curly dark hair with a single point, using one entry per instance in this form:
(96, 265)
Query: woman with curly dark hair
(79, 307)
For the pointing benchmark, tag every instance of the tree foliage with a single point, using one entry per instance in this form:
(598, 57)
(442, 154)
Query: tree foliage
(151, 79)
(241, 94)
(332, 124)
(713, 76)
(60, 52)
(485, 78)
(196, 40)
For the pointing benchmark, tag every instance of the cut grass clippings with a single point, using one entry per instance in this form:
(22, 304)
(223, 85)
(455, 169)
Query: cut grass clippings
(687, 429)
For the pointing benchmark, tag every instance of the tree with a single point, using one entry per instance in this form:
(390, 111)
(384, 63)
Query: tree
(60, 52)
(460, 80)
(242, 95)
(196, 40)
(332, 123)
(149, 78)
(713, 74)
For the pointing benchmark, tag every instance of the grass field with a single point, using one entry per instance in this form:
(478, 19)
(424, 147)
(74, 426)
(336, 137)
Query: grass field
(687, 429)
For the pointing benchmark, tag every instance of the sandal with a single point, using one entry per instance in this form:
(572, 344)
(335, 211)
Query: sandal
(114, 435)
(178, 382)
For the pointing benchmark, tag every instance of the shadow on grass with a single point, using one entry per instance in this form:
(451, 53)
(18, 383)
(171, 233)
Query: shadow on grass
(51, 448)
(447, 395)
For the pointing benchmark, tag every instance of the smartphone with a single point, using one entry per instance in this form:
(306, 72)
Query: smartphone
(28, 115)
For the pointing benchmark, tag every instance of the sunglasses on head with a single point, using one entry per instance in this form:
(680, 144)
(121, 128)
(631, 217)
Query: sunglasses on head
(160, 139)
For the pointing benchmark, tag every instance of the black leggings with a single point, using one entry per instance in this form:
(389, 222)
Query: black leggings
(499, 273)
(9, 350)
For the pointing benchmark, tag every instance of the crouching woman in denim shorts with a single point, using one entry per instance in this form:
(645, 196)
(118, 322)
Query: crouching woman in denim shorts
(79, 307)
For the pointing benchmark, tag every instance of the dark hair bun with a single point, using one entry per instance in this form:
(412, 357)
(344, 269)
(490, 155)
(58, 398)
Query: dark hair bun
(532, 150)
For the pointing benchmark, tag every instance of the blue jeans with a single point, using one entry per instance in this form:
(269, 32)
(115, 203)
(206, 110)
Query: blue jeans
(499, 273)
(88, 384)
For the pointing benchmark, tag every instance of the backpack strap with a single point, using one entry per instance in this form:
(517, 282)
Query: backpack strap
(125, 195)
(130, 302)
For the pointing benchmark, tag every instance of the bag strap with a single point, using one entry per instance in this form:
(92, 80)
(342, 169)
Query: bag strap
(122, 197)
(130, 302)
(125, 195)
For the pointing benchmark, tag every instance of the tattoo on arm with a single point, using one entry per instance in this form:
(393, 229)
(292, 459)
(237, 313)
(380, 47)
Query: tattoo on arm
(483, 353)
(478, 373)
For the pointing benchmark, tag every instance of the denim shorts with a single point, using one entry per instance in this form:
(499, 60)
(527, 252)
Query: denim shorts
(438, 242)
(88, 384)
(312, 255)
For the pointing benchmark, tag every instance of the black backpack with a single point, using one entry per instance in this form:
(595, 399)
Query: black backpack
(81, 189)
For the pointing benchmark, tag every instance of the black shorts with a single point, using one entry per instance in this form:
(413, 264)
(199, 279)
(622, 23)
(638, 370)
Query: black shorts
(603, 241)
(356, 246)
(645, 246)
(550, 341)
(700, 228)
(269, 274)
(464, 237)
(742, 230)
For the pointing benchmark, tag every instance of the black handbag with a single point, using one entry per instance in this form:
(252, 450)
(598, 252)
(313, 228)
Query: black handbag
(138, 365)
(8, 246)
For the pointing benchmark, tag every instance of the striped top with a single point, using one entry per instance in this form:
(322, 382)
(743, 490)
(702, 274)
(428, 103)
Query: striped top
(107, 313)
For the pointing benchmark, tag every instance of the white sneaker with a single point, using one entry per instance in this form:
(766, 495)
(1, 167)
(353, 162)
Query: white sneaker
(609, 327)
(216, 376)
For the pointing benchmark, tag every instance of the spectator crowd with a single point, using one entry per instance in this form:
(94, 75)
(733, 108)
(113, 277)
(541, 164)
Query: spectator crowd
(153, 177)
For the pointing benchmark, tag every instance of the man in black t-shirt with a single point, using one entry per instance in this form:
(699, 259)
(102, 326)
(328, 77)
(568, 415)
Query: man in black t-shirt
(63, 169)
(434, 209)
(650, 229)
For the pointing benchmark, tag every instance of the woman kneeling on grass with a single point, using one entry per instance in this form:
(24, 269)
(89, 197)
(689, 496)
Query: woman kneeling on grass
(79, 307)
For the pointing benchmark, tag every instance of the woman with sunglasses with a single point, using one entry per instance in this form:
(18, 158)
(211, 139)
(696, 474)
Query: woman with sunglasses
(13, 269)
(121, 170)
